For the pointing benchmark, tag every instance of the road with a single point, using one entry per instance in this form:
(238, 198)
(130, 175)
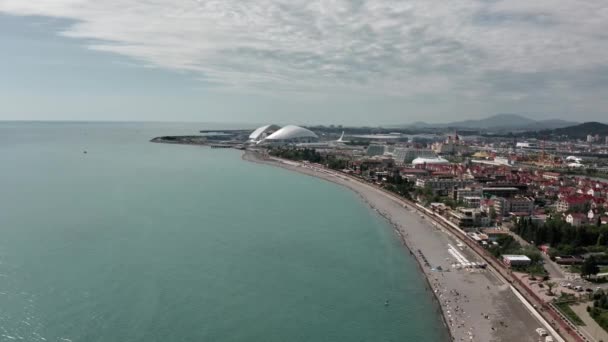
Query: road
(554, 270)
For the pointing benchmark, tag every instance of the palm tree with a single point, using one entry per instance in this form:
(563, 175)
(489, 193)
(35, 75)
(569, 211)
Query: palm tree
(550, 285)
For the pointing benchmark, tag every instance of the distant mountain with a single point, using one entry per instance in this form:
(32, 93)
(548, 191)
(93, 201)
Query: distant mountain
(500, 122)
(578, 131)
(552, 124)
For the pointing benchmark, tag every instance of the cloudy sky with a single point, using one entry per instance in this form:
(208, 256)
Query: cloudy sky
(303, 61)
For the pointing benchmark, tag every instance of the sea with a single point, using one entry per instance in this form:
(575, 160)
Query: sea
(138, 241)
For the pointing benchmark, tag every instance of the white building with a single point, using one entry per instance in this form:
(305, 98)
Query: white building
(516, 260)
(452, 145)
(472, 201)
(443, 185)
(469, 218)
(577, 219)
(262, 132)
(407, 155)
(460, 194)
(435, 160)
(291, 134)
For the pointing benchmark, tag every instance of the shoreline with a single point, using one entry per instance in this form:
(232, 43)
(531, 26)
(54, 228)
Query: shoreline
(249, 156)
(475, 304)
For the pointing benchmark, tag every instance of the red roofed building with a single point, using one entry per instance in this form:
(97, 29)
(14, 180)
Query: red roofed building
(551, 175)
(598, 203)
(566, 191)
(544, 248)
(576, 219)
(573, 203)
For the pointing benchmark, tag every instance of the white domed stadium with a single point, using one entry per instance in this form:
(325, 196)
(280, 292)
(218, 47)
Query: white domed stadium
(262, 132)
(434, 160)
(291, 134)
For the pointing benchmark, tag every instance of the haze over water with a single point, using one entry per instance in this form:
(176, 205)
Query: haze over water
(135, 241)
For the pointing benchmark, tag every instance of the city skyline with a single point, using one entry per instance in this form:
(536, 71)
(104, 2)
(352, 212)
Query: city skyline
(351, 62)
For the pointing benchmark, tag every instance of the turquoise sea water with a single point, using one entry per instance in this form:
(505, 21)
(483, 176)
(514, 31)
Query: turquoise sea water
(136, 241)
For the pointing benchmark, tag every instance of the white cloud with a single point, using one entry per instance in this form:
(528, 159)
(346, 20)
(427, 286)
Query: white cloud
(403, 48)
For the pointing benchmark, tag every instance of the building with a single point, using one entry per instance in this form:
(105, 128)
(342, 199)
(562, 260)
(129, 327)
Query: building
(469, 217)
(443, 185)
(407, 155)
(290, 134)
(472, 201)
(420, 161)
(412, 173)
(451, 146)
(521, 205)
(572, 203)
(515, 260)
(497, 161)
(500, 191)
(568, 260)
(544, 249)
(262, 132)
(516, 206)
(526, 145)
(577, 219)
(501, 207)
(375, 150)
(551, 175)
(459, 194)
(494, 234)
(592, 215)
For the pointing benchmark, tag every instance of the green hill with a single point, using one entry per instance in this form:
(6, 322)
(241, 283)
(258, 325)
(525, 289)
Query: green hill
(579, 131)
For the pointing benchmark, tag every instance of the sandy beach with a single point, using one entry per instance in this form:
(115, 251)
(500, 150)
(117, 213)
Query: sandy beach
(476, 304)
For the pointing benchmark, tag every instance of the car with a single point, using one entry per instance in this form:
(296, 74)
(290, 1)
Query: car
(588, 290)
(541, 332)
(541, 285)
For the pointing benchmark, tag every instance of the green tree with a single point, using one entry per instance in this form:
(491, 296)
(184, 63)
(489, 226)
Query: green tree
(589, 267)
(493, 213)
(550, 286)
(600, 240)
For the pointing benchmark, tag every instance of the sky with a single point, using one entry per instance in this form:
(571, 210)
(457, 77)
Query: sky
(357, 62)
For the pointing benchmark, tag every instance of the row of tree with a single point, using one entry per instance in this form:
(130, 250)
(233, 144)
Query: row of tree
(399, 185)
(310, 155)
(558, 232)
(299, 154)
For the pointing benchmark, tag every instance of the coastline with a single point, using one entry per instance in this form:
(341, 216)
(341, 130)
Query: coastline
(475, 304)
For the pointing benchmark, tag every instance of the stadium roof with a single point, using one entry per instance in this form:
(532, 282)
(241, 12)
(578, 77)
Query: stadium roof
(437, 160)
(290, 132)
(259, 132)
